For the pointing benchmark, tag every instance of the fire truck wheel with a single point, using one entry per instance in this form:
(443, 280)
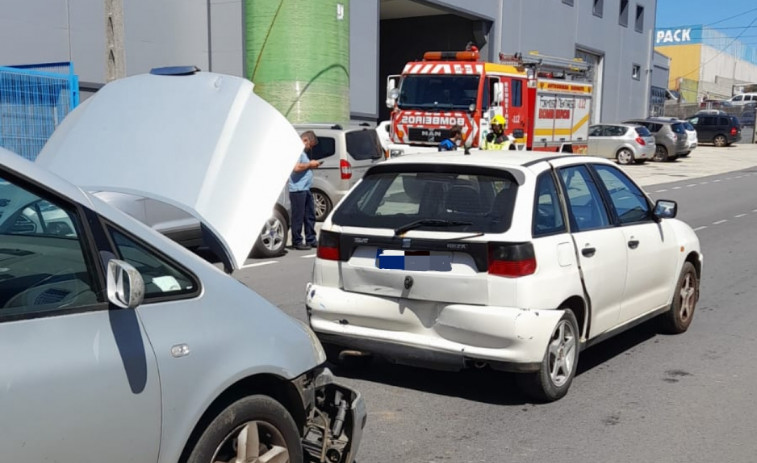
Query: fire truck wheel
(624, 156)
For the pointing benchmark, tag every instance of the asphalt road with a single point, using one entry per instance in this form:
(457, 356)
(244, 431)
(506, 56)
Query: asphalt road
(639, 397)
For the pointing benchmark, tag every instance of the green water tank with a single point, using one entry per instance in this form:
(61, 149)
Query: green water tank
(297, 55)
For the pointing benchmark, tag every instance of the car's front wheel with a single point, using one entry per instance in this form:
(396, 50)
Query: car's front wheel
(678, 318)
(273, 237)
(255, 428)
(625, 156)
(322, 205)
(720, 141)
(558, 367)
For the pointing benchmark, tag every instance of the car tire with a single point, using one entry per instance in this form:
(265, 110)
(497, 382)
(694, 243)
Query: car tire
(254, 419)
(640, 161)
(720, 141)
(678, 318)
(684, 155)
(625, 156)
(273, 238)
(558, 367)
(660, 153)
(322, 205)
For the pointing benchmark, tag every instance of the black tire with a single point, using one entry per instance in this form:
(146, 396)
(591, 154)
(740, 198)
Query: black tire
(558, 367)
(640, 161)
(322, 205)
(273, 238)
(660, 153)
(720, 141)
(625, 156)
(275, 429)
(678, 318)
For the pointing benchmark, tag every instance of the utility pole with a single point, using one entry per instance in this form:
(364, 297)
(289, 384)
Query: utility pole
(115, 55)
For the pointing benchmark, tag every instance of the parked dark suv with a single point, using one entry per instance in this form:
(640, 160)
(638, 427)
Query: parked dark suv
(719, 129)
(670, 137)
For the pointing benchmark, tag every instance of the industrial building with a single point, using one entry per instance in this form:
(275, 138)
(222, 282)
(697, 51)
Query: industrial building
(319, 60)
(705, 63)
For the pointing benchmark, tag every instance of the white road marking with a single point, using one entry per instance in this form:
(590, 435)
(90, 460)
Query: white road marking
(700, 228)
(691, 185)
(716, 180)
(676, 187)
(703, 183)
(661, 191)
(739, 216)
(719, 222)
(260, 264)
(309, 256)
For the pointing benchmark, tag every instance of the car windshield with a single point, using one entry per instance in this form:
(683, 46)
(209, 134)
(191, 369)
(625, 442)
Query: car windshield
(429, 91)
(643, 132)
(428, 197)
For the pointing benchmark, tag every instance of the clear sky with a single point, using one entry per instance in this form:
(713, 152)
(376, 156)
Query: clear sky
(731, 17)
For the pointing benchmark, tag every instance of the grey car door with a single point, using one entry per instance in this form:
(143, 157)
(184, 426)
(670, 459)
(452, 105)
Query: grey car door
(79, 379)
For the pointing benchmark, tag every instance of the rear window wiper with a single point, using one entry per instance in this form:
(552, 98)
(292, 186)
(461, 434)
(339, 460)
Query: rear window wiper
(428, 223)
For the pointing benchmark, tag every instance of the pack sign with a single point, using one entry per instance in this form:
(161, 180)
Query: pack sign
(678, 36)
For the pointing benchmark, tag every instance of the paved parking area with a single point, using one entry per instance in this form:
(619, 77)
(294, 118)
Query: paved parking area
(703, 161)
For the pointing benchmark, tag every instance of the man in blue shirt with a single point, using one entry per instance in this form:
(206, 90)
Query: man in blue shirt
(455, 136)
(303, 207)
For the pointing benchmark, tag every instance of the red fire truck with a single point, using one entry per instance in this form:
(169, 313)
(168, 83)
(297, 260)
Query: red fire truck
(546, 101)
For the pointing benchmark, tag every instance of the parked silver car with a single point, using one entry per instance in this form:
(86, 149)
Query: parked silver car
(627, 143)
(116, 341)
(347, 152)
(669, 134)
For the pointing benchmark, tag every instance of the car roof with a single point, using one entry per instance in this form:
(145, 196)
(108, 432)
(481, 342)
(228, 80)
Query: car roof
(496, 159)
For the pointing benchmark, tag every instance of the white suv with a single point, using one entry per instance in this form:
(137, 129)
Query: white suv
(516, 262)
(346, 152)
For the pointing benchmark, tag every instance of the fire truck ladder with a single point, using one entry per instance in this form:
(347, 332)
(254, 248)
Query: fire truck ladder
(544, 63)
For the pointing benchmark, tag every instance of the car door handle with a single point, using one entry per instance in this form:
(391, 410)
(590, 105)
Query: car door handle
(633, 244)
(588, 252)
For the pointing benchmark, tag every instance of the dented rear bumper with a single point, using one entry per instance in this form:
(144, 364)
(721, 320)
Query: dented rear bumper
(428, 333)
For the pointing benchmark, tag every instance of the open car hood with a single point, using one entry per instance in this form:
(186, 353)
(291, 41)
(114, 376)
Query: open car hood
(204, 143)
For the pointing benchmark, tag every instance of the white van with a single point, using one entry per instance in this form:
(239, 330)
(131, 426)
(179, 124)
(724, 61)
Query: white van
(744, 99)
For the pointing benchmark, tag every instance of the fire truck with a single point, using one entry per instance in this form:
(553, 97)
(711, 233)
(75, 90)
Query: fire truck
(545, 100)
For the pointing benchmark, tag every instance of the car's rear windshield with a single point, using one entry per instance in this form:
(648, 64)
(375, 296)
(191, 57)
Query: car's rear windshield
(643, 132)
(363, 144)
(431, 197)
(678, 127)
(688, 126)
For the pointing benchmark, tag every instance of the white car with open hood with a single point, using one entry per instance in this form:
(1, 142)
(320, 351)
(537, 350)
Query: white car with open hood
(117, 341)
(514, 261)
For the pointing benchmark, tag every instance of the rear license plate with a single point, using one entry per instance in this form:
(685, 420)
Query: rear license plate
(413, 260)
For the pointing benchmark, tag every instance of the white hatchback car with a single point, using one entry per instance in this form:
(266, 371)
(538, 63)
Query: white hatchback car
(517, 262)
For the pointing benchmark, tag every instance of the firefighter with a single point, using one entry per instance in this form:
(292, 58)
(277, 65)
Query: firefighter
(497, 139)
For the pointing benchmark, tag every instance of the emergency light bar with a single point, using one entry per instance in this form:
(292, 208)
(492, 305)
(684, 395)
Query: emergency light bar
(471, 55)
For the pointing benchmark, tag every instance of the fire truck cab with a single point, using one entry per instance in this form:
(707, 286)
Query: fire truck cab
(545, 100)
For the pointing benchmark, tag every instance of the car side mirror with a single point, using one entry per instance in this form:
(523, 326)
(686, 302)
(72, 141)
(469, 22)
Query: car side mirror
(665, 209)
(126, 288)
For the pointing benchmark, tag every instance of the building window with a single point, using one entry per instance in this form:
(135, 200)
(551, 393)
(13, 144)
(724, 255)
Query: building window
(597, 9)
(636, 72)
(568, 2)
(623, 17)
(639, 18)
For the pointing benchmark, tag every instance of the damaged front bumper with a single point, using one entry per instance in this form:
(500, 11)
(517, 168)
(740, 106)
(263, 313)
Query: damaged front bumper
(335, 416)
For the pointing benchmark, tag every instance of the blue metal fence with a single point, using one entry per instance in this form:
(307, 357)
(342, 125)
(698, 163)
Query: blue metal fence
(34, 99)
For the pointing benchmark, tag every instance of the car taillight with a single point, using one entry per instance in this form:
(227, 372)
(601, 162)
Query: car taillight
(511, 259)
(640, 141)
(345, 168)
(328, 246)
(734, 131)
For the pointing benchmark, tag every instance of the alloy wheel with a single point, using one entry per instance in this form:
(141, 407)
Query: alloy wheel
(253, 442)
(562, 353)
